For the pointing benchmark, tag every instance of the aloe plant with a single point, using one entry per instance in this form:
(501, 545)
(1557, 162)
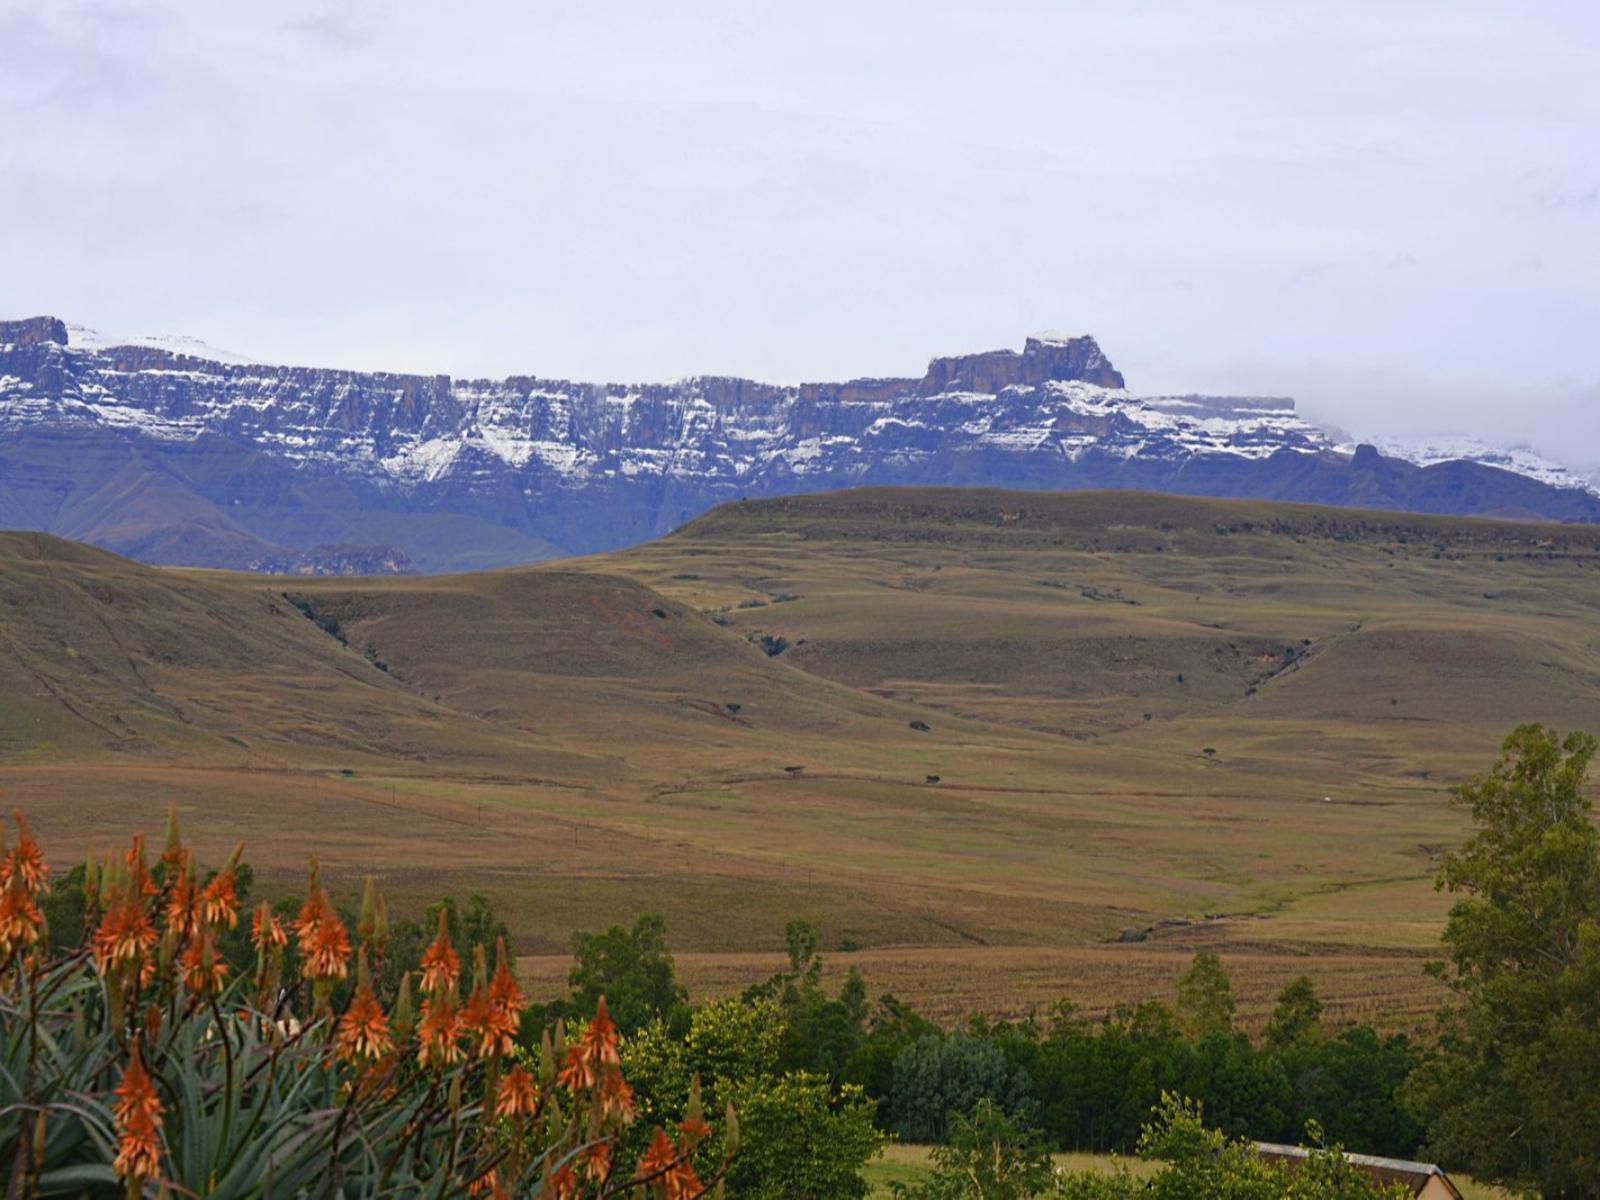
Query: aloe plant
(133, 1065)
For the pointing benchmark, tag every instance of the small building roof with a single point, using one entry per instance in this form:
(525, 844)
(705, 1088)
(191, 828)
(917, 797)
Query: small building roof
(1415, 1175)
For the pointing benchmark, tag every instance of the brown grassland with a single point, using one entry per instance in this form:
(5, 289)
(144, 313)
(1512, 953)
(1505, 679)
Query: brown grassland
(1001, 729)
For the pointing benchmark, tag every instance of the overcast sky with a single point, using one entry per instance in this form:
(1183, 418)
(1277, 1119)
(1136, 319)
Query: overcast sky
(1390, 210)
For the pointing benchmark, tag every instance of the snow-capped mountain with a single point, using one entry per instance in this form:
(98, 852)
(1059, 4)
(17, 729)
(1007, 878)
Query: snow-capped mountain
(1522, 460)
(81, 337)
(171, 451)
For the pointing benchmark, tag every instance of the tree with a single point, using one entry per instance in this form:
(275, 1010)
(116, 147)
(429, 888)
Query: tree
(63, 908)
(1514, 1095)
(893, 1026)
(1350, 1083)
(804, 975)
(799, 1140)
(990, 1156)
(1246, 1091)
(631, 969)
(1203, 1164)
(937, 1076)
(1297, 1016)
(726, 1042)
(822, 1137)
(1095, 1087)
(823, 1032)
(801, 942)
(1205, 997)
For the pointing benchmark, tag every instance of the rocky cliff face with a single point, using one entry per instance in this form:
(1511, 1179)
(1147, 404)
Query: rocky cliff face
(174, 454)
(34, 331)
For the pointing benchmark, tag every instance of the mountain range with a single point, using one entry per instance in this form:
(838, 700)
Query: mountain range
(167, 451)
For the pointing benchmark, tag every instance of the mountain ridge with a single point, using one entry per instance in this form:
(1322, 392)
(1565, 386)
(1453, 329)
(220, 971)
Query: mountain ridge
(156, 451)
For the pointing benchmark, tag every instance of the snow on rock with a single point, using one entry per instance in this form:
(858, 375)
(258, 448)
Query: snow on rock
(617, 463)
(409, 431)
(81, 337)
(1520, 460)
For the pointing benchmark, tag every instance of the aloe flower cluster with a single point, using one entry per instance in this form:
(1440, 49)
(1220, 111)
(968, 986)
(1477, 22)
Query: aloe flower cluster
(139, 1064)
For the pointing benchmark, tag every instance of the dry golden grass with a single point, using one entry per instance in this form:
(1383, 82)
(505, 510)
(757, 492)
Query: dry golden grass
(587, 741)
(951, 984)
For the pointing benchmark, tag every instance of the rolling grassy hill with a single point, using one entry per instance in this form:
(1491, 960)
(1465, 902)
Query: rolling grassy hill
(1007, 726)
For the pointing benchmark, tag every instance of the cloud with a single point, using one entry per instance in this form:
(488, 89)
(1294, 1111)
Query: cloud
(1402, 191)
(1553, 418)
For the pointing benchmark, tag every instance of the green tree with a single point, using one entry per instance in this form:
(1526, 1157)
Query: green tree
(853, 995)
(824, 1032)
(1205, 997)
(892, 1027)
(1245, 1090)
(990, 1156)
(1297, 1016)
(937, 1076)
(631, 968)
(1203, 1164)
(1350, 1083)
(804, 976)
(1514, 1095)
(822, 1137)
(725, 1043)
(800, 1141)
(804, 965)
(63, 907)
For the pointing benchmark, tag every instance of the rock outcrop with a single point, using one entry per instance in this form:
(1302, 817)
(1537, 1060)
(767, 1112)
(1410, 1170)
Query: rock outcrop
(33, 332)
(174, 455)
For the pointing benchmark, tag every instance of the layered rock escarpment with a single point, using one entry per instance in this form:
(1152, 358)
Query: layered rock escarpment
(33, 332)
(172, 453)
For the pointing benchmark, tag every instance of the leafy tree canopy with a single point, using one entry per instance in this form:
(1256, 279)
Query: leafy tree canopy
(1297, 1016)
(937, 1076)
(631, 968)
(1205, 997)
(1514, 1095)
(1202, 1164)
(990, 1156)
(799, 1140)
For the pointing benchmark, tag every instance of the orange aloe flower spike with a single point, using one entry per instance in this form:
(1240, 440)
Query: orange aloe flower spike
(441, 965)
(518, 1094)
(219, 903)
(138, 1113)
(363, 1031)
(266, 930)
(26, 861)
(20, 919)
(439, 1033)
(599, 1041)
(204, 970)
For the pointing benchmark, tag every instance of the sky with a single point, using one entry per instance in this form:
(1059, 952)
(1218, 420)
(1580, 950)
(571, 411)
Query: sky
(1389, 210)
